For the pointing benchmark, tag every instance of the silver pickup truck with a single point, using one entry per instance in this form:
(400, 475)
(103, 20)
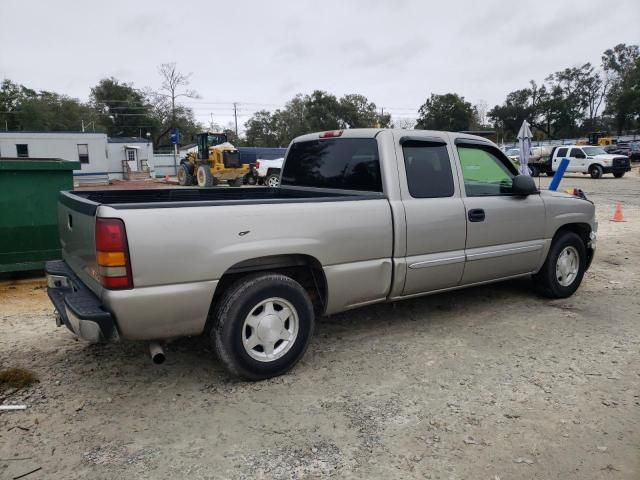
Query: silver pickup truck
(360, 217)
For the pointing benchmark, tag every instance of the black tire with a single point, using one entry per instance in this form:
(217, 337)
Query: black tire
(184, 176)
(534, 170)
(618, 174)
(550, 173)
(595, 171)
(272, 180)
(235, 305)
(250, 179)
(546, 280)
(205, 177)
(235, 183)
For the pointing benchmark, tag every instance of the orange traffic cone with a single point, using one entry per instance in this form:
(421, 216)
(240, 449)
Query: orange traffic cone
(618, 216)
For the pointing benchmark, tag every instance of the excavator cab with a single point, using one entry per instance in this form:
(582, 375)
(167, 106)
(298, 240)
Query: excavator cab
(206, 140)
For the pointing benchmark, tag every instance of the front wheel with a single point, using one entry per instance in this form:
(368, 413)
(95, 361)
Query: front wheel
(205, 177)
(618, 174)
(562, 272)
(262, 326)
(595, 171)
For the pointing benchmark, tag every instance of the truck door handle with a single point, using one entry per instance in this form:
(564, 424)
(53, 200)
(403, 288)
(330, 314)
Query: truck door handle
(476, 215)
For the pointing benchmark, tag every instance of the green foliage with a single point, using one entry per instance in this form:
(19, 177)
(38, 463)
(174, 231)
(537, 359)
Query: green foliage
(569, 102)
(447, 112)
(312, 113)
(622, 64)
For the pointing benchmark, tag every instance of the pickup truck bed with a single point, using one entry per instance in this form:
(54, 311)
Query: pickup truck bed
(190, 197)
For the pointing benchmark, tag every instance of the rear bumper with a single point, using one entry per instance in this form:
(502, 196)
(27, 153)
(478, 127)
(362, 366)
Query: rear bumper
(76, 306)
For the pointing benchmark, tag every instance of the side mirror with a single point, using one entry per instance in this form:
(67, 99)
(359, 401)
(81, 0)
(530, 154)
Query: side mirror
(523, 185)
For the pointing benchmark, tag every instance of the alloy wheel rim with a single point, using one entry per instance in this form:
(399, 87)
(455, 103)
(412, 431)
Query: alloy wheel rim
(273, 182)
(567, 266)
(270, 329)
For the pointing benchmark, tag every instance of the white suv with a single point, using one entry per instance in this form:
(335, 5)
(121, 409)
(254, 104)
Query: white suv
(590, 159)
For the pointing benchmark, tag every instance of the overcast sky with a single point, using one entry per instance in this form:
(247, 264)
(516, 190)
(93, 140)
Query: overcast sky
(261, 53)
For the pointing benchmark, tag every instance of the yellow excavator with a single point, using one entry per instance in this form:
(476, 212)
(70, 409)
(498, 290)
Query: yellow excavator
(215, 161)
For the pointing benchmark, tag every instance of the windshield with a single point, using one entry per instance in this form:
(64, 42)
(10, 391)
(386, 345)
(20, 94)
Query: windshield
(591, 151)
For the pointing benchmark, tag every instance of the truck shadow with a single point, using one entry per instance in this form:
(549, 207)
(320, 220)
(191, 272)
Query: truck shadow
(191, 361)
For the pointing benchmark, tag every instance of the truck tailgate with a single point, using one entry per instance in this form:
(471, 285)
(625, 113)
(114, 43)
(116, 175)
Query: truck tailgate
(76, 226)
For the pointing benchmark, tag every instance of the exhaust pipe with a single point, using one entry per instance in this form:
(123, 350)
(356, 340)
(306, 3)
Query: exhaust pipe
(157, 353)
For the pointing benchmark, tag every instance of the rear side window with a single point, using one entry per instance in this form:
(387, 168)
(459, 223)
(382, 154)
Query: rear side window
(428, 169)
(562, 152)
(346, 163)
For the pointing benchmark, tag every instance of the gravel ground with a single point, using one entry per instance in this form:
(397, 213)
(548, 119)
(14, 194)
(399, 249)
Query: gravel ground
(489, 383)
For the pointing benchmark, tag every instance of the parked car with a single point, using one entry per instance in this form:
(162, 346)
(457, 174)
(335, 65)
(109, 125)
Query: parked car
(362, 216)
(589, 159)
(630, 149)
(513, 154)
(268, 171)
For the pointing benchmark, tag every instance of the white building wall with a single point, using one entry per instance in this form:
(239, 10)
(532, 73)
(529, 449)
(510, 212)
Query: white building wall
(63, 146)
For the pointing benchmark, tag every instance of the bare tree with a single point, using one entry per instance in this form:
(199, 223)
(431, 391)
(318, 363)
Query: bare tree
(482, 107)
(404, 123)
(174, 83)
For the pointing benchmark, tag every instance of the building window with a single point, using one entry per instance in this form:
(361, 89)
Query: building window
(131, 155)
(22, 149)
(83, 153)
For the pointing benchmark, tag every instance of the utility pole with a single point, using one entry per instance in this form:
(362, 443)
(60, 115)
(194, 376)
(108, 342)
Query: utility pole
(235, 116)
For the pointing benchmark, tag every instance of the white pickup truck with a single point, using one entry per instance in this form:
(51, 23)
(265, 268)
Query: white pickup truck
(268, 171)
(362, 216)
(591, 160)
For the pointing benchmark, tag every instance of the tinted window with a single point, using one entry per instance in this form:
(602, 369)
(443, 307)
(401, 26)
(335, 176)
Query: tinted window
(576, 152)
(484, 172)
(347, 163)
(428, 169)
(562, 152)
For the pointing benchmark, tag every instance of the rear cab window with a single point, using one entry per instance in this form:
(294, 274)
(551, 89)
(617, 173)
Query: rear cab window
(342, 163)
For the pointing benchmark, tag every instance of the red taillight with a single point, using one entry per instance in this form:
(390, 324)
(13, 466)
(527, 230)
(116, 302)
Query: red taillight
(331, 134)
(112, 254)
(257, 164)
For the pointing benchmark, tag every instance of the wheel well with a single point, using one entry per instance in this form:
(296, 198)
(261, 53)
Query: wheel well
(304, 269)
(273, 171)
(581, 229)
(594, 165)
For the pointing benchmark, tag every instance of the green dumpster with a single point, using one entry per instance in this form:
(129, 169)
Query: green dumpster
(28, 210)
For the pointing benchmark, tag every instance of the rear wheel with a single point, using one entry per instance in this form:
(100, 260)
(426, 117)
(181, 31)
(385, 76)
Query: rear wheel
(184, 176)
(235, 183)
(595, 171)
(272, 180)
(534, 170)
(618, 174)
(263, 324)
(562, 272)
(205, 177)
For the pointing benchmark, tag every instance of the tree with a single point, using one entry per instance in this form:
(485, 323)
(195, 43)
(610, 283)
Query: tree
(622, 64)
(356, 111)
(123, 110)
(446, 112)
(260, 130)
(174, 85)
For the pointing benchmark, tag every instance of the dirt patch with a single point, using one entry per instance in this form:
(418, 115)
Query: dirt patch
(491, 382)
